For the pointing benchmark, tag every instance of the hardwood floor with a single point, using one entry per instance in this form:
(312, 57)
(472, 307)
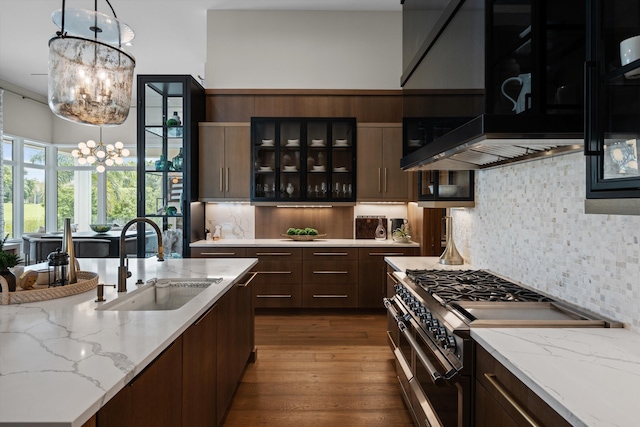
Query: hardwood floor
(320, 369)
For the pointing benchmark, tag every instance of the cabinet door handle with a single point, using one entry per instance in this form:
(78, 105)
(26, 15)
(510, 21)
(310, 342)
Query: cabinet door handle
(494, 382)
(218, 253)
(197, 322)
(385, 254)
(379, 180)
(245, 284)
(226, 181)
(274, 272)
(274, 296)
(221, 180)
(330, 254)
(330, 272)
(385, 180)
(591, 110)
(331, 296)
(273, 253)
(392, 277)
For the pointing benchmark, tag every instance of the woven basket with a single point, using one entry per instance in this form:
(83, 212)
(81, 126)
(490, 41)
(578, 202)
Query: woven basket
(86, 281)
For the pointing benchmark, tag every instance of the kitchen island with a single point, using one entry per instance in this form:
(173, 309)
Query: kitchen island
(588, 376)
(62, 360)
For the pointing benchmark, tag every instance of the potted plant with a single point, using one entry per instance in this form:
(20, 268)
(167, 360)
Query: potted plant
(401, 234)
(8, 260)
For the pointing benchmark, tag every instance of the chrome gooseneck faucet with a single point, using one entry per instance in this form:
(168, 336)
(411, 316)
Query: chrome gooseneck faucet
(123, 270)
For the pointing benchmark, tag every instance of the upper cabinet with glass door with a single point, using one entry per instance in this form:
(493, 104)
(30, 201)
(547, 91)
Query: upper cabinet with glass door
(169, 109)
(613, 110)
(303, 160)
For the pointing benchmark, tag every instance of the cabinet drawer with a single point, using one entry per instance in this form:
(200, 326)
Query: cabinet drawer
(512, 396)
(281, 271)
(312, 254)
(372, 254)
(277, 295)
(332, 295)
(218, 252)
(330, 271)
(289, 254)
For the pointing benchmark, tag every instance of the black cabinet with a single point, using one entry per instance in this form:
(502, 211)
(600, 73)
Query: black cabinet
(169, 110)
(613, 88)
(303, 160)
(535, 53)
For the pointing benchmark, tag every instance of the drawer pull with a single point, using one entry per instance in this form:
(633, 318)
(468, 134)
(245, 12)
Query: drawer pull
(273, 253)
(330, 253)
(274, 296)
(330, 272)
(385, 254)
(275, 272)
(494, 382)
(218, 253)
(393, 278)
(245, 284)
(331, 296)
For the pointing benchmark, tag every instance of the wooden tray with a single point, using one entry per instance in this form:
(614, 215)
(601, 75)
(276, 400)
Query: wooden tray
(302, 237)
(86, 281)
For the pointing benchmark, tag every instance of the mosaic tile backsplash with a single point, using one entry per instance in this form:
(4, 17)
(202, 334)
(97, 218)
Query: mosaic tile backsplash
(529, 225)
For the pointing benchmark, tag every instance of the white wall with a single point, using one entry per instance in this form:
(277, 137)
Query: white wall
(529, 225)
(304, 50)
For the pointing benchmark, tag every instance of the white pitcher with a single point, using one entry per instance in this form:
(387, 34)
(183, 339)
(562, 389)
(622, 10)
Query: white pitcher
(519, 105)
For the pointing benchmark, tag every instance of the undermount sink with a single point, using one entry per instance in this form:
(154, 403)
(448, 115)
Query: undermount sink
(163, 294)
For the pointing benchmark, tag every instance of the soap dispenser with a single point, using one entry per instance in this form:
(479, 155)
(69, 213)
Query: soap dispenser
(381, 233)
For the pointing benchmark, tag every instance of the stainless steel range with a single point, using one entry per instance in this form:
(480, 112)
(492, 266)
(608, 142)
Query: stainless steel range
(429, 321)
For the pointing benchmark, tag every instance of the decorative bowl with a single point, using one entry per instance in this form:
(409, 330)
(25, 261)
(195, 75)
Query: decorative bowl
(445, 190)
(303, 237)
(100, 228)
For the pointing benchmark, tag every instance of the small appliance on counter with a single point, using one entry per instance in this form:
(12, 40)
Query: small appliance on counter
(366, 226)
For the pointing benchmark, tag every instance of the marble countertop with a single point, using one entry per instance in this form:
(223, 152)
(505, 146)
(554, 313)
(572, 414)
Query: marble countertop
(589, 376)
(284, 242)
(61, 360)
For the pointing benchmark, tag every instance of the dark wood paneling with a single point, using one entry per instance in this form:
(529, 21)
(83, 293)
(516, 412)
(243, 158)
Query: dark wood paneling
(230, 108)
(304, 106)
(336, 222)
(378, 109)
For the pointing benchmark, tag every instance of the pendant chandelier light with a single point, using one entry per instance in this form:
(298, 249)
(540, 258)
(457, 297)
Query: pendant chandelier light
(104, 155)
(90, 76)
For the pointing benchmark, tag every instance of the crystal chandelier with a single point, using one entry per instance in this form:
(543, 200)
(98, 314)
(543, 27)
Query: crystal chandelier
(104, 155)
(90, 76)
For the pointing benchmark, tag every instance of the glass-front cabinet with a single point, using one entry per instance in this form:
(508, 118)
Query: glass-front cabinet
(169, 110)
(535, 56)
(303, 160)
(453, 188)
(613, 111)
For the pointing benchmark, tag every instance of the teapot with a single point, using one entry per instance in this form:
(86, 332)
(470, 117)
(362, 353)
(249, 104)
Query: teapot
(521, 104)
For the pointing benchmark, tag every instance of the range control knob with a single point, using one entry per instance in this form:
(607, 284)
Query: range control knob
(426, 317)
(450, 343)
(441, 333)
(433, 325)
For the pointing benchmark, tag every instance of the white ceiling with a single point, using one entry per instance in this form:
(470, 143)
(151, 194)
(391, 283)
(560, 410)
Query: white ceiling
(170, 34)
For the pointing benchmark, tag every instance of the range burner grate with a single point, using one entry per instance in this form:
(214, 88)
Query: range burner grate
(471, 285)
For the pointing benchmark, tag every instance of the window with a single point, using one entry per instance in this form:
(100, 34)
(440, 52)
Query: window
(7, 177)
(79, 193)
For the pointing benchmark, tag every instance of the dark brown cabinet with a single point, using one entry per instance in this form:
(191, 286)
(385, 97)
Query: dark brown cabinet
(372, 273)
(199, 369)
(217, 252)
(193, 381)
(504, 400)
(154, 397)
(278, 283)
(330, 277)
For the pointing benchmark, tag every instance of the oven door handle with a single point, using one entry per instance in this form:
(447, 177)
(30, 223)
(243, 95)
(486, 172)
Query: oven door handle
(437, 378)
(389, 305)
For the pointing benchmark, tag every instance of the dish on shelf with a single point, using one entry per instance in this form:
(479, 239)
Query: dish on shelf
(318, 168)
(293, 142)
(290, 169)
(341, 143)
(265, 169)
(414, 143)
(267, 142)
(445, 190)
(303, 237)
(340, 169)
(317, 142)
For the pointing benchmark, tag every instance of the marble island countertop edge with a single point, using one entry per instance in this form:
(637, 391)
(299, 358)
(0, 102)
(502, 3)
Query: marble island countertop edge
(61, 360)
(284, 242)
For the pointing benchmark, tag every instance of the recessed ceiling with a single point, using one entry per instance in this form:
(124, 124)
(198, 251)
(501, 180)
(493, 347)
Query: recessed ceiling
(170, 34)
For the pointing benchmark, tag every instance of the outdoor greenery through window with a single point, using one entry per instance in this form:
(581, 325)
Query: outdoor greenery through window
(43, 185)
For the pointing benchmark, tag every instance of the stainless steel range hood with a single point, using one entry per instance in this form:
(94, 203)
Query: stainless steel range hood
(494, 140)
